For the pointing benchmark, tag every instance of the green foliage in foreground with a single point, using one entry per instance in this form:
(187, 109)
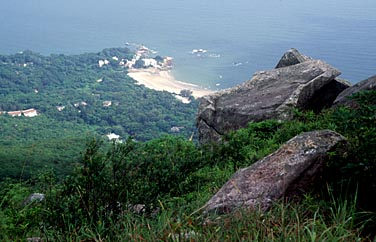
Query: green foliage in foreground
(174, 177)
(311, 220)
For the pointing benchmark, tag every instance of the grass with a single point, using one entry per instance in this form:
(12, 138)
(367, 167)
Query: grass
(310, 220)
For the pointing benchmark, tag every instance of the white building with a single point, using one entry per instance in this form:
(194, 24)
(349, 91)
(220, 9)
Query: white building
(103, 62)
(150, 62)
(107, 103)
(30, 112)
(113, 136)
(60, 108)
(15, 113)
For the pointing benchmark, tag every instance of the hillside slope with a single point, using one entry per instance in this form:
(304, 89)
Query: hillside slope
(77, 97)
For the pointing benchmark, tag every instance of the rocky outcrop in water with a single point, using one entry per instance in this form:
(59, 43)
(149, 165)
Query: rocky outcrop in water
(288, 171)
(298, 82)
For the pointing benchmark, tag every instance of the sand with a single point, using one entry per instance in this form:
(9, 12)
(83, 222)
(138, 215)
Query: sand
(162, 80)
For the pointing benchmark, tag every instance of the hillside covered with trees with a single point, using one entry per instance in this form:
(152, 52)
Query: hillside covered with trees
(77, 97)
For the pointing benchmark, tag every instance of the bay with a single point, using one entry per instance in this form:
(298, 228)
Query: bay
(240, 36)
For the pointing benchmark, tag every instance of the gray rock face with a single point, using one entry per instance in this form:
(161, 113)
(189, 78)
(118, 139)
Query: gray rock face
(292, 57)
(343, 97)
(292, 168)
(327, 94)
(269, 95)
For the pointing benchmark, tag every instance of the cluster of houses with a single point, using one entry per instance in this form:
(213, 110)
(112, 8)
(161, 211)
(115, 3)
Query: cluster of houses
(83, 104)
(142, 54)
(27, 113)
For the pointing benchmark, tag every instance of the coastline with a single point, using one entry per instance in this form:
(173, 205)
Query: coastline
(163, 80)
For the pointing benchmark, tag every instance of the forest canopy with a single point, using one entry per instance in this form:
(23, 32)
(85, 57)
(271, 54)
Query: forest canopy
(76, 99)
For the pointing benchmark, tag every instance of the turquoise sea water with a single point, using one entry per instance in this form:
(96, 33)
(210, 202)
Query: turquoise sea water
(240, 36)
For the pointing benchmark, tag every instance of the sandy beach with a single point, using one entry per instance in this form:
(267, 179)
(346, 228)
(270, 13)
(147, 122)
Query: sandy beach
(162, 80)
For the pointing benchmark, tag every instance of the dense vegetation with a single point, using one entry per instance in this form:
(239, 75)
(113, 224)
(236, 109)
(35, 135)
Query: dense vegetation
(173, 177)
(80, 88)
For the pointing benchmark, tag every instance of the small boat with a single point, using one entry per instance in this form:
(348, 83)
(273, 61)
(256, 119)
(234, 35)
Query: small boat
(198, 51)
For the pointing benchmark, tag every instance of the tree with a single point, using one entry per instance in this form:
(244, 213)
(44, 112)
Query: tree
(186, 93)
(139, 64)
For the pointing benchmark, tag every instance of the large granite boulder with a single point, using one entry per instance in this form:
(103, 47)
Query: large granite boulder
(323, 98)
(288, 171)
(365, 85)
(309, 84)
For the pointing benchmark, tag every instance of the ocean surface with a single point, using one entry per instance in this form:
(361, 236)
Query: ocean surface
(240, 36)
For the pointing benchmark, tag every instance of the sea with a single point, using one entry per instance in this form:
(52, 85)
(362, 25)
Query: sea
(215, 43)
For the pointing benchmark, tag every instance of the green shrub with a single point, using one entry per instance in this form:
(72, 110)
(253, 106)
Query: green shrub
(357, 167)
(159, 169)
(18, 219)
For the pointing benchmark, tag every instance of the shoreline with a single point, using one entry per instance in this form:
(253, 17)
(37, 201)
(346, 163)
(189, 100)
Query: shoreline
(163, 80)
